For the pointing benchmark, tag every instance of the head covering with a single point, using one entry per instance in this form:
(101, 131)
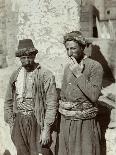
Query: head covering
(77, 37)
(26, 48)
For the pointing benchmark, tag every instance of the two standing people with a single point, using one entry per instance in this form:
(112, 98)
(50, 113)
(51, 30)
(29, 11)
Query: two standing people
(31, 102)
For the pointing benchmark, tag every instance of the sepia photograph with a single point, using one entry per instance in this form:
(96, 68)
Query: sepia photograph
(57, 77)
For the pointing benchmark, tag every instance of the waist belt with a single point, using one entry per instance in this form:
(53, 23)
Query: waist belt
(75, 114)
(25, 107)
(25, 111)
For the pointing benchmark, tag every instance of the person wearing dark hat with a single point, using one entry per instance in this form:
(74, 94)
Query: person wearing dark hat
(81, 87)
(31, 103)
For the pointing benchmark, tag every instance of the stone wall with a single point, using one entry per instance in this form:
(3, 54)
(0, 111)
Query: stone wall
(45, 22)
(110, 7)
(2, 35)
(86, 20)
(2, 22)
(11, 32)
(99, 4)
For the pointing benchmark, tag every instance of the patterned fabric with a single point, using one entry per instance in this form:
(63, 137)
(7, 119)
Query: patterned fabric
(77, 36)
(44, 96)
(76, 111)
(27, 93)
(26, 48)
(20, 83)
(24, 84)
(26, 52)
(26, 107)
(76, 115)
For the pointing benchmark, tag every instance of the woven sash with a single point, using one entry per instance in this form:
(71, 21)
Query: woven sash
(71, 111)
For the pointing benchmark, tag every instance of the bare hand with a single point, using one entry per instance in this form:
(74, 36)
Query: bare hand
(45, 137)
(75, 67)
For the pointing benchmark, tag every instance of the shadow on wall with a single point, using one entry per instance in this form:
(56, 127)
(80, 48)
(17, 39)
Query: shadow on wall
(104, 119)
(104, 111)
(108, 77)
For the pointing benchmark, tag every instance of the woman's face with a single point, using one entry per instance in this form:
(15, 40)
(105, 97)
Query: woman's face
(74, 50)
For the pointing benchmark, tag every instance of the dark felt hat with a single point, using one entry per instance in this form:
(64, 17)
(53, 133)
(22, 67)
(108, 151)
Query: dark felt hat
(26, 48)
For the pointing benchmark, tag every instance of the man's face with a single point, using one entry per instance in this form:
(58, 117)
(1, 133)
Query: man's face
(74, 50)
(27, 61)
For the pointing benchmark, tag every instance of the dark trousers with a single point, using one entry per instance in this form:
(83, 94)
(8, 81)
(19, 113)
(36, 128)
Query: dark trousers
(26, 135)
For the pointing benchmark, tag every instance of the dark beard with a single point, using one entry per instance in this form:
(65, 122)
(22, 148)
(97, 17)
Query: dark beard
(80, 58)
(29, 67)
